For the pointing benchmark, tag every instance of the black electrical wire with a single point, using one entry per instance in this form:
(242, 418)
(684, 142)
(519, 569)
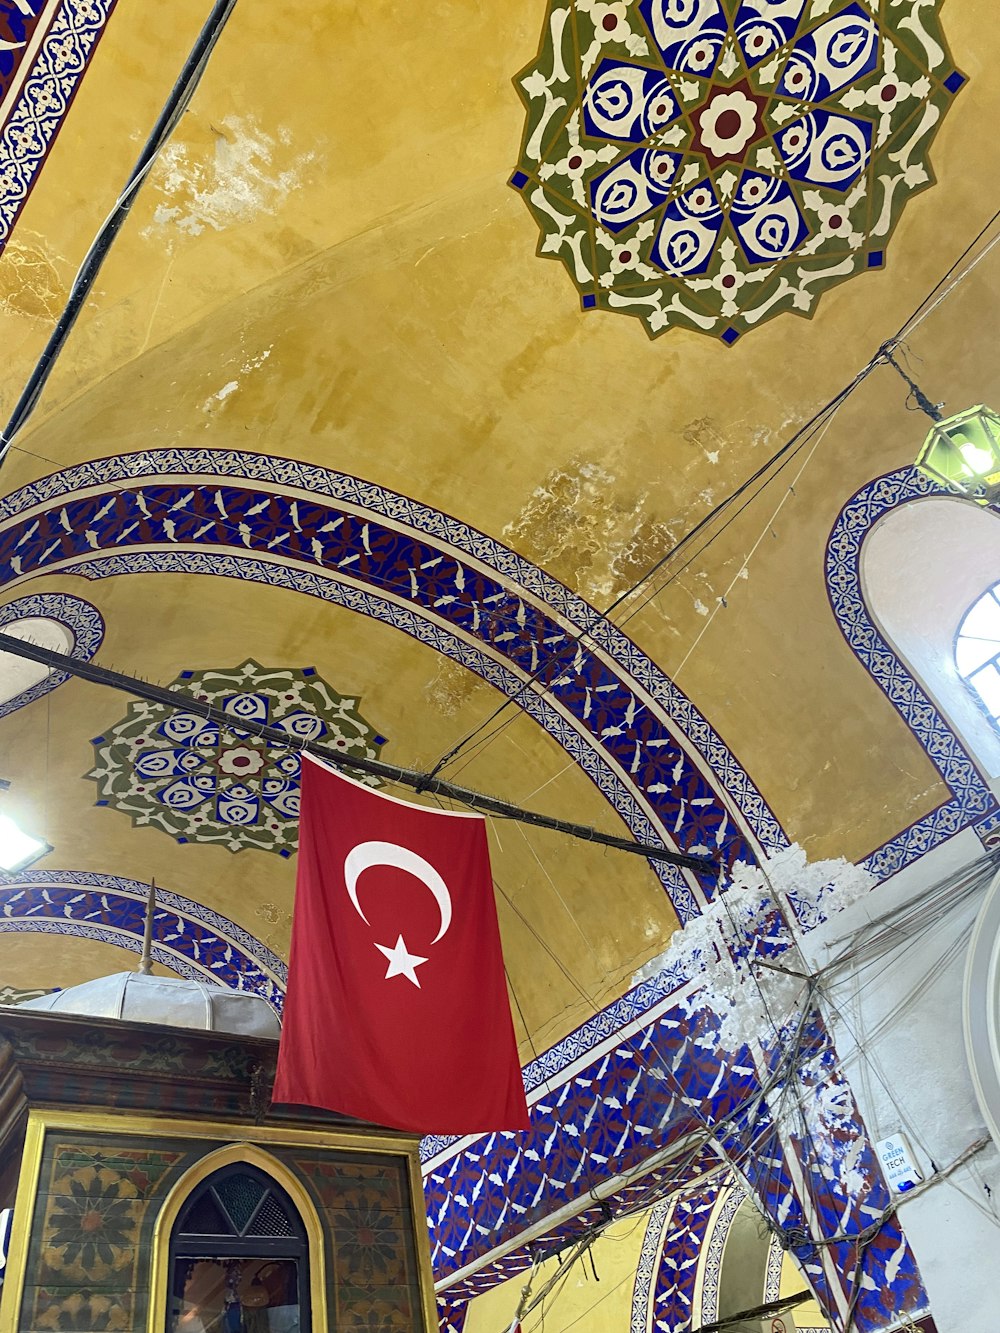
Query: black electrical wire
(600, 616)
(881, 357)
(174, 107)
(818, 421)
(171, 698)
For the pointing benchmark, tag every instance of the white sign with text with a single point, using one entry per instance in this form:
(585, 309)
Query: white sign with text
(901, 1171)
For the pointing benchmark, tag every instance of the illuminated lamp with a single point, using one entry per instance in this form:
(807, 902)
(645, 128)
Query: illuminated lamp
(18, 849)
(962, 454)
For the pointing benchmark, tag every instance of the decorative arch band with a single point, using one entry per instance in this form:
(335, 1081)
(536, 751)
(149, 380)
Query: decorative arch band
(971, 802)
(188, 938)
(651, 753)
(83, 621)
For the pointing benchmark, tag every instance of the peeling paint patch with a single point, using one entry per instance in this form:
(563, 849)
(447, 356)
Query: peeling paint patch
(29, 279)
(212, 402)
(451, 687)
(255, 362)
(706, 436)
(247, 367)
(230, 185)
(587, 530)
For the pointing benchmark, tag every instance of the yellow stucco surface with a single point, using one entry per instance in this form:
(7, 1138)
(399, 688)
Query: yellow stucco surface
(330, 229)
(578, 1300)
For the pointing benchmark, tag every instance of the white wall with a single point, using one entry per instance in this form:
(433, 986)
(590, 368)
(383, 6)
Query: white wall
(923, 566)
(901, 1042)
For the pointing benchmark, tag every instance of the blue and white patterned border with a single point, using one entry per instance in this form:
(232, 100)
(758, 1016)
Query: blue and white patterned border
(44, 99)
(649, 1264)
(529, 580)
(712, 1251)
(436, 636)
(772, 1273)
(190, 939)
(84, 621)
(971, 801)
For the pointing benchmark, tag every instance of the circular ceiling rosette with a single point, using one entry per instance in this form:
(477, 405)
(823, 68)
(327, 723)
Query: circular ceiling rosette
(710, 164)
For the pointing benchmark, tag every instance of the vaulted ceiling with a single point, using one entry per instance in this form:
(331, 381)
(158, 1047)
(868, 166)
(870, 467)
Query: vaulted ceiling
(327, 265)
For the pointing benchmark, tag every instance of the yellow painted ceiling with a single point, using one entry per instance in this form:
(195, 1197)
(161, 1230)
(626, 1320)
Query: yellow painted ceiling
(330, 230)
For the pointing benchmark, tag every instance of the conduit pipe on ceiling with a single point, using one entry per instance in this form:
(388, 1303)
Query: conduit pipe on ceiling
(174, 107)
(420, 782)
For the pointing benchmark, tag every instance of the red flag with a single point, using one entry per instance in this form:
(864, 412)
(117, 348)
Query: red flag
(397, 1009)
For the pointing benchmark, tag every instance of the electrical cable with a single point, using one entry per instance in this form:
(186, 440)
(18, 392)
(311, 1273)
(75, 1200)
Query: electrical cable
(500, 618)
(818, 426)
(174, 107)
(599, 616)
(421, 782)
(920, 915)
(882, 356)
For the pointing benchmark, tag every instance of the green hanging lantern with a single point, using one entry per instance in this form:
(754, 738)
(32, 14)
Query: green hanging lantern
(962, 453)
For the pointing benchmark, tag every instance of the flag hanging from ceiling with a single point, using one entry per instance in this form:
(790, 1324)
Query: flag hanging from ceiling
(396, 1010)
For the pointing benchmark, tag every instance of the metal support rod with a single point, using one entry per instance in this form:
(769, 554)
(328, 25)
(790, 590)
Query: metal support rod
(758, 1312)
(146, 961)
(172, 698)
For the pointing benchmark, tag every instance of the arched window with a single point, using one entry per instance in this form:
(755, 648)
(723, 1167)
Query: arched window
(923, 566)
(977, 650)
(239, 1258)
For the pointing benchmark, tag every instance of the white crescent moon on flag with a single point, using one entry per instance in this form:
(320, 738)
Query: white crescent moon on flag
(368, 854)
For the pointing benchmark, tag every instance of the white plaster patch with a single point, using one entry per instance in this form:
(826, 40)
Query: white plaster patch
(237, 182)
(761, 906)
(18, 674)
(212, 402)
(249, 365)
(255, 362)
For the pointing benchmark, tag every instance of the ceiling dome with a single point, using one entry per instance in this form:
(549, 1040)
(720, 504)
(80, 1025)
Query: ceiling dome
(168, 1000)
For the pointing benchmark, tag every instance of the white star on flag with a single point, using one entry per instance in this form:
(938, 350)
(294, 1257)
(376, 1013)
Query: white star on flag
(402, 963)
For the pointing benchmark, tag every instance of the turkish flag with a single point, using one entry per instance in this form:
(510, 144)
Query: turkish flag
(396, 1010)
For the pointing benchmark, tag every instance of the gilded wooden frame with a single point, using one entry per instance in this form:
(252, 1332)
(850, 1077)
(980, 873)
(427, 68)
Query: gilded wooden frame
(237, 1143)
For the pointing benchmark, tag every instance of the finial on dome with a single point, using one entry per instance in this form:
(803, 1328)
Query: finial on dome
(146, 961)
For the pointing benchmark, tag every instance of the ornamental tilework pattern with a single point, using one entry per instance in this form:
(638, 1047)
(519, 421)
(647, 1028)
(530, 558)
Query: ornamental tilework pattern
(972, 802)
(648, 1265)
(451, 1316)
(84, 622)
(673, 1291)
(710, 164)
(624, 1107)
(87, 1264)
(365, 1208)
(52, 43)
(190, 939)
(637, 736)
(90, 1249)
(731, 1197)
(182, 773)
(593, 1100)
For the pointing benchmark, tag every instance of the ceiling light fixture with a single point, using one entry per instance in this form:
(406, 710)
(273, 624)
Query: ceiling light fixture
(18, 849)
(962, 452)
